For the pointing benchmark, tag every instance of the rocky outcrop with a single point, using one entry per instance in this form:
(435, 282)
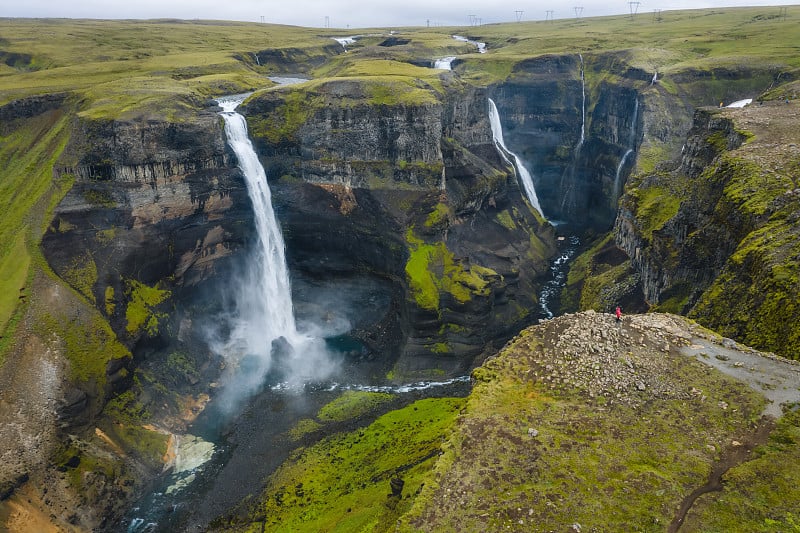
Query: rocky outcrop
(409, 191)
(570, 401)
(680, 250)
(713, 238)
(156, 203)
(25, 108)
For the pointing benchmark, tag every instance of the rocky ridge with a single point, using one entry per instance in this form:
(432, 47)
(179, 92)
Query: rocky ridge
(585, 423)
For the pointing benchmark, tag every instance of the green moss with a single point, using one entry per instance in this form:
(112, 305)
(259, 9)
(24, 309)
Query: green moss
(352, 404)
(755, 298)
(750, 186)
(421, 280)
(100, 198)
(81, 274)
(440, 214)
(505, 220)
(76, 462)
(110, 306)
(106, 236)
(304, 427)
(297, 107)
(655, 205)
(432, 269)
(591, 463)
(675, 300)
(341, 483)
(441, 348)
(145, 444)
(89, 344)
(28, 152)
(140, 312)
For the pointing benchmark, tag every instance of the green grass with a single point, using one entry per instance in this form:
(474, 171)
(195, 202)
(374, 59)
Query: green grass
(760, 495)
(342, 482)
(127, 68)
(27, 155)
(88, 343)
(352, 404)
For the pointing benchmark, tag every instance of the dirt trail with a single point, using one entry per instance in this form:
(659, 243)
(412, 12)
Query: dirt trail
(733, 456)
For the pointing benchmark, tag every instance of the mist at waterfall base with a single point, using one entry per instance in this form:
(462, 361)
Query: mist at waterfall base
(256, 332)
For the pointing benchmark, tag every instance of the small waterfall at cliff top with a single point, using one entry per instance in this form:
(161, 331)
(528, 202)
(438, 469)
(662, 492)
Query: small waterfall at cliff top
(522, 172)
(264, 314)
(444, 63)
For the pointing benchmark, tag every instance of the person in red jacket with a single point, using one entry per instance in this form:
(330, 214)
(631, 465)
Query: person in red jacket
(618, 314)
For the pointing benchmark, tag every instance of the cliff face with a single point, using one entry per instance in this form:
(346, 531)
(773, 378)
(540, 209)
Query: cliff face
(714, 237)
(573, 126)
(154, 203)
(409, 191)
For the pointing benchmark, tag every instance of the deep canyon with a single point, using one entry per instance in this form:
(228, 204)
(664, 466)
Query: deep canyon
(415, 251)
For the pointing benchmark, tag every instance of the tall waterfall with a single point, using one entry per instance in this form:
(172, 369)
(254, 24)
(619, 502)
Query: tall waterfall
(617, 185)
(617, 192)
(583, 108)
(263, 299)
(522, 172)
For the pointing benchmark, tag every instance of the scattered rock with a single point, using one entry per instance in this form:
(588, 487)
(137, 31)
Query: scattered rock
(397, 486)
(533, 432)
(722, 357)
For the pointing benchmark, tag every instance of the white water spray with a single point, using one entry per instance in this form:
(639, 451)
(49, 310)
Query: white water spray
(264, 311)
(740, 103)
(522, 172)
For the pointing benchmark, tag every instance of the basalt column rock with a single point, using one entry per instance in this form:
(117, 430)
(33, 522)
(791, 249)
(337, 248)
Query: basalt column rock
(154, 204)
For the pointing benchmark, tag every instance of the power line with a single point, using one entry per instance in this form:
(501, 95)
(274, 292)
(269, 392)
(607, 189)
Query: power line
(549, 15)
(327, 21)
(634, 8)
(519, 15)
(578, 11)
(657, 15)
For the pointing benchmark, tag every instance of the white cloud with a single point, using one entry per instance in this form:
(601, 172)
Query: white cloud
(343, 13)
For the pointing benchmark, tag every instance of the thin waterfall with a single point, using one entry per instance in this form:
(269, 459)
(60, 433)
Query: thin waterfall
(617, 191)
(568, 177)
(632, 134)
(617, 185)
(583, 108)
(522, 172)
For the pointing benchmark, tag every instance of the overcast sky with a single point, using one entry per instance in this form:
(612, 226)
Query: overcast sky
(346, 13)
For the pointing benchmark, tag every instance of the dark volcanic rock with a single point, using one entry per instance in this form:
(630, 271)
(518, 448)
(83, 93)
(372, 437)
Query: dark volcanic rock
(373, 190)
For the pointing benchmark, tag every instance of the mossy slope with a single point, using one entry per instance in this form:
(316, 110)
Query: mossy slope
(342, 483)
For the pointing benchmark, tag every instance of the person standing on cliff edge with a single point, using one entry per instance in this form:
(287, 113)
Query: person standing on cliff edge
(618, 313)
